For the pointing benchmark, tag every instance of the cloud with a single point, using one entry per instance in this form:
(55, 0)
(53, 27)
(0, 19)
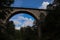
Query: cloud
(28, 22)
(44, 5)
(16, 22)
(23, 18)
(22, 21)
(17, 28)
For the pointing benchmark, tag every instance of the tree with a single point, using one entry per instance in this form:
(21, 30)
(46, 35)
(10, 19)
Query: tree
(52, 24)
(3, 10)
(6, 3)
(10, 30)
(10, 27)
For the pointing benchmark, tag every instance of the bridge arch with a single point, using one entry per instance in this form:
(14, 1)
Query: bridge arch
(19, 12)
(33, 12)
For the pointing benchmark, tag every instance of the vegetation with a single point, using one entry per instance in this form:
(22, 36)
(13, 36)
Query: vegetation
(3, 10)
(52, 23)
(52, 26)
(7, 30)
(6, 3)
(26, 33)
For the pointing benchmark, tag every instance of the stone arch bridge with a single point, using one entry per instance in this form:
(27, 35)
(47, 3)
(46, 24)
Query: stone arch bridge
(10, 11)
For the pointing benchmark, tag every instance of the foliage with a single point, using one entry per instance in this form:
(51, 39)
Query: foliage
(6, 3)
(26, 33)
(52, 24)
(6, 32)
(3, 9)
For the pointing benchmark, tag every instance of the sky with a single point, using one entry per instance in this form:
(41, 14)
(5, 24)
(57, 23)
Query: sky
(31, 3)
(21, 20)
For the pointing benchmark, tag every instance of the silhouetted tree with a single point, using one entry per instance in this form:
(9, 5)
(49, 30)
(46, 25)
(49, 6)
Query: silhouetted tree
(3, 10)
(10, 31)
(28, 33)
(10, 27)
(6, 3)
(52, 24)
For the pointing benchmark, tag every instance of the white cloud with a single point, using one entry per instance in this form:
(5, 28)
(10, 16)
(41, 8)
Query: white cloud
(44, 5)
(28, 22)
(17, 28)
(22, 18)
(18, 22)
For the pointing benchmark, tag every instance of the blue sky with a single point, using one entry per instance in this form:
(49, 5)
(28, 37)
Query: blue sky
(25, 19)
(22, 20)
(30, 3)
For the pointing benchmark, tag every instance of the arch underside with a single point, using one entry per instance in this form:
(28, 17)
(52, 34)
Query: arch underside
(19, 12)
(33, 12)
